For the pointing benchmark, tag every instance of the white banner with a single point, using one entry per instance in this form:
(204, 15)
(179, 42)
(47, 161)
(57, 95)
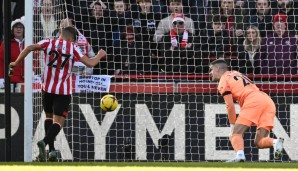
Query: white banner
(93, 83)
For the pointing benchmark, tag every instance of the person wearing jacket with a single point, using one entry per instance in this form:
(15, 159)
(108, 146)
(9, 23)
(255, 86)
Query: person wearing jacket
(177, 49)
(17, 45)
(278, 53)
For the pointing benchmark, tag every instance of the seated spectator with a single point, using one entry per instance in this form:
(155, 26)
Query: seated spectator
(262, 17)
(79, 68)
(176, 50)
(247, 51)
(17, 45)
(133, 56)
(278, 53)
(165, 25)
(290, 9)
(45, 23)
(213, 41)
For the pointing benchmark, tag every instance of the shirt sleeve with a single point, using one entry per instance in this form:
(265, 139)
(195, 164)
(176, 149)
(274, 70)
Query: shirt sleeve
(223, 86)
(44, 43)
(77, 52)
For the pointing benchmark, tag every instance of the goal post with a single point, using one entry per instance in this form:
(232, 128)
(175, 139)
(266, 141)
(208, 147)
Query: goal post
(28, 94)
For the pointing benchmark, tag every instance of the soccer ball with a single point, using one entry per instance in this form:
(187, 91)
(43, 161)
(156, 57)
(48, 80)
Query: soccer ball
(108, 103)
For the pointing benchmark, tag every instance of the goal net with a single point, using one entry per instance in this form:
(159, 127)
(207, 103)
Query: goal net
(158, 53)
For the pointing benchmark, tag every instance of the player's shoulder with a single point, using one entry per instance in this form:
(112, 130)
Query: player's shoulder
(228, 75)
(231, 74)
(46, 40)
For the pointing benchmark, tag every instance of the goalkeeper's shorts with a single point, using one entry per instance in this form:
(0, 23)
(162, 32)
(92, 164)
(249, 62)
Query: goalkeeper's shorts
(258, 109)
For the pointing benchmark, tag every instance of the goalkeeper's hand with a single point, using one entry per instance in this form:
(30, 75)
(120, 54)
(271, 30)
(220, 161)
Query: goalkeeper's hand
(231, 130)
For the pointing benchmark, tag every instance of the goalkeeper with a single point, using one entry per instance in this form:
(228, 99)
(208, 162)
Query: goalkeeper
(257, 108)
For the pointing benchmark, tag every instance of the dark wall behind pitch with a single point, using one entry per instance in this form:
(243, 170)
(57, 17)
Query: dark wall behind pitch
(17, 141)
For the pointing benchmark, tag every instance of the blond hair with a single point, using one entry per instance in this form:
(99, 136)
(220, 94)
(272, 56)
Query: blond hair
(248, 46)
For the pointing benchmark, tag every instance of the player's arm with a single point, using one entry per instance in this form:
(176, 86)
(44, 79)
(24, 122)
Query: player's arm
(24, 53)
(230, 108)
(91, 62)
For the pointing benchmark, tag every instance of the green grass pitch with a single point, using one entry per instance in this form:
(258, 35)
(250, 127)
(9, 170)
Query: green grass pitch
(148, 166)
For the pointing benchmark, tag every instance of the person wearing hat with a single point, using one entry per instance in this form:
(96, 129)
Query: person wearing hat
(177, 48)
(280, 24)
(290, 9)
(278, 53)
(165, 25)
(17, 45)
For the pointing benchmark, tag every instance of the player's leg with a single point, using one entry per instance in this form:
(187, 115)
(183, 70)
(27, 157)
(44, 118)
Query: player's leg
(262, 140)
(60, 107)
(265, 125)
(47, 124)
(236, 138)
(58, 123)
(47, 102)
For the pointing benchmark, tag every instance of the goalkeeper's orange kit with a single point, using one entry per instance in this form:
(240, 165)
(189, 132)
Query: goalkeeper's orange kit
(257, 108)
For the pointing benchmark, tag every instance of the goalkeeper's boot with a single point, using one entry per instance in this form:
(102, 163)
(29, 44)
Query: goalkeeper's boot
(278, 146)
(238, 158)
(42, 154)
(52, 156)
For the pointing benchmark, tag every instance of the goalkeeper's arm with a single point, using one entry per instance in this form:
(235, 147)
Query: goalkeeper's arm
(230, 108)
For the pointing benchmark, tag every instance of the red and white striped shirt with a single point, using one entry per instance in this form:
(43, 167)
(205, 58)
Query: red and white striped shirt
(58, 61)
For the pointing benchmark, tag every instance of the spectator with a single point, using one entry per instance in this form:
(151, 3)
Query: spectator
(149, 20)
(290, 9)
(248, 51)
(234, 13)
(158, 6)
(78, 68)
(213, 41)
(165, 25)
(45, 23)
(120, 18)
(278, 54)
(17, 45)
(177, 53)
(98, 29)
(262, 17)
(132, 57)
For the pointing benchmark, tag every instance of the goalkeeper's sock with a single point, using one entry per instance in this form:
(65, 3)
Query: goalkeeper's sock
(52, 133)
(237, 142)
(265, 143)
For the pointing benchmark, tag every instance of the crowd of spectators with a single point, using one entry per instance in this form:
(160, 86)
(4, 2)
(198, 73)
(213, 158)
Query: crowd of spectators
(177, 36)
